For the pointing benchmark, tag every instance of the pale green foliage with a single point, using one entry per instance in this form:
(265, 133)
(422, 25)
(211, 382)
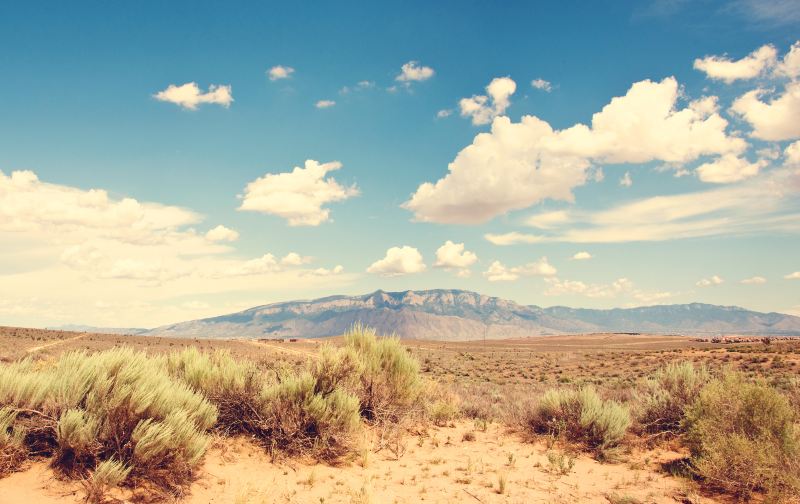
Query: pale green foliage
(580, 416)
(389, 383)
(300, 416)
(233, 386)
(12, 448)
(107, 475)
(743, 437)
(86, 407)
(665, 395)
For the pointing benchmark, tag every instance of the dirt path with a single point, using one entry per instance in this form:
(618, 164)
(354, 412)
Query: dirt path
(55, 343)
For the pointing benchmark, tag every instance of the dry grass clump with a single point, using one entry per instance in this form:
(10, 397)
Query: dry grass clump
(744, 438)
(580, 416)
(233, 386)
(119, 405)
(304, 414)
(12, 442)
(388, 383)
(665, 396)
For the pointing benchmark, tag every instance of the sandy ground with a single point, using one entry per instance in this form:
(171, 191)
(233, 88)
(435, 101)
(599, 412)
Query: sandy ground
(438, 468)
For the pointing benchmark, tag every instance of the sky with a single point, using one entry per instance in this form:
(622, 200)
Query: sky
(167, 161)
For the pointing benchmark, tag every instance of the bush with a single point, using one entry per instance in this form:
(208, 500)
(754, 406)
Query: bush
(302, 416)
(232, 386)
(580, 416)
(388, 384)
(12, 446)
(119, 404)
(743, 438)
(666, 395)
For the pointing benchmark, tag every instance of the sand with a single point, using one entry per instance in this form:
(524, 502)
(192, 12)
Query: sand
(440, 467)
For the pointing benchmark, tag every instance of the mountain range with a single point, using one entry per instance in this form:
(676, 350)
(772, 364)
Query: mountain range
(444, 314)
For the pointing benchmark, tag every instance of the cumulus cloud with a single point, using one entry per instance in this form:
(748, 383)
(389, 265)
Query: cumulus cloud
(414, 72)
(792, 154)
(398, 261)
(516, 165)
(499, 272)
(710, 281)
(279, 72)
(756, 280)
(729, 168)
(222, 233)
(297, 196)
(443, 113)
(767, 203)
(483, 108)
(322, 104)
(542, 84)
(620, 287)
(772, 120)
(294, 259)
(512, 238)
(793, 276)
(118, 249)
(727, 70)
(582, 256)
(790, 66)
(452, 256)
(626, 180)
(189, 96)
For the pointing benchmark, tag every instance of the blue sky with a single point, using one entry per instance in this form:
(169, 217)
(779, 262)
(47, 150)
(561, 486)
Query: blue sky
(681, 85)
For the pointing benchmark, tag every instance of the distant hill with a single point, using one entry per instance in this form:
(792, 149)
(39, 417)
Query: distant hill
(463, 315)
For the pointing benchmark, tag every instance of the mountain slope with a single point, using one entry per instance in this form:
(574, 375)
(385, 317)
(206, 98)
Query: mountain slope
(463, 315)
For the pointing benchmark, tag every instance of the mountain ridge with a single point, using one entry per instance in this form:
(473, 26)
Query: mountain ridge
(454, 314)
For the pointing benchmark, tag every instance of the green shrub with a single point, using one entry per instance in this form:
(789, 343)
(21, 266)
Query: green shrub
(743, 438)
(388, 385)
(12, 446)
(107, 475)
(580, 416)
(665, 395)
(233, 386)
(300, 417)
(90, 408)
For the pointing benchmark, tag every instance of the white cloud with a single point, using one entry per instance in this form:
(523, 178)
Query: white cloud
(519, 164)
(117, 249)
(414, 72)
(710, 281)
(617, 288)
(751, 66)
(398, 261)
(444, 113)
(790, 66)
(452, 256)
(768, 203)
(729, 168)
(322, 104)
(511, 238)
(189, 96)
(547, 220)
(294, 259)
(279, 72)
(582, 256)
(222, 233)
(792, 154)
(325, 272)
(775, 120)
(498, 272)
(756, 280)
(793, 276)
(542, 84)
(297, 196)
(483, 108)
(626, 180)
